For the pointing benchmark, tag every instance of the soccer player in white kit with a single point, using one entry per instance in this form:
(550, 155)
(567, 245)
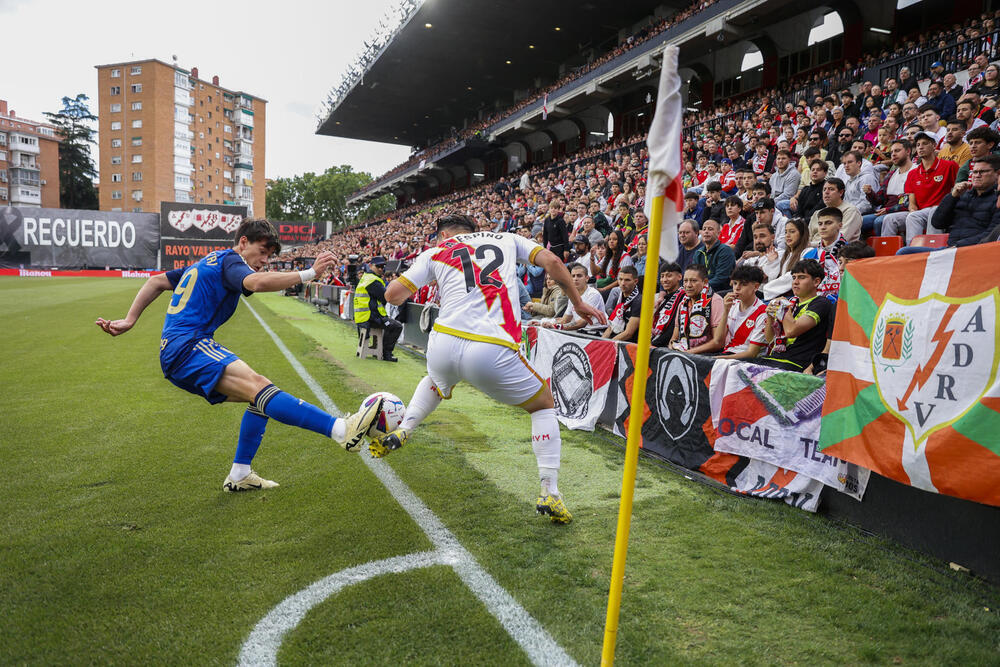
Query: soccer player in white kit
(477, 334)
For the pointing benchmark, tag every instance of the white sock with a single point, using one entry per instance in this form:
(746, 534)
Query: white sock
(239, 471)
(339, 430)
(547, 443)
(425, 399)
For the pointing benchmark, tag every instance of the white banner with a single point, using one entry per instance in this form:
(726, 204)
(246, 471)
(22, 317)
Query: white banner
(763, 480)
(774, 416)
(579, 371)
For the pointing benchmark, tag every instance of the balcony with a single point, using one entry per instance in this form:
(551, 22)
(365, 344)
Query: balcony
(25, 195)
(28, 177)
(25, 143)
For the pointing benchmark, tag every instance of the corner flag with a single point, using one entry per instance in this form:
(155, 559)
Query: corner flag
(664, 196)
(664, 189)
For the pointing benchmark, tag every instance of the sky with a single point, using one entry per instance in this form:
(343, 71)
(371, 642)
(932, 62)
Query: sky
(290, 53)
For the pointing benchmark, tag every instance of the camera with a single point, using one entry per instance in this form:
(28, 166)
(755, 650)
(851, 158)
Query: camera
(352, 269)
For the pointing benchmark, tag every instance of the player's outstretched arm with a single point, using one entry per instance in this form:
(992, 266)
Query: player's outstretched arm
(151, 289)
(397, 293)
(549, 261)
(277, 281)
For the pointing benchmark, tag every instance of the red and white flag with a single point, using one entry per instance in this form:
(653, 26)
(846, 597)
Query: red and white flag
(664, 142)
(545, 106)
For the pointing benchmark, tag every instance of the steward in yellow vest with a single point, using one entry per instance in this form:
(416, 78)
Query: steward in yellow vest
(369, 306)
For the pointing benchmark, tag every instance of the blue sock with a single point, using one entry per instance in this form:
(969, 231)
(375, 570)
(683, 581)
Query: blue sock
(287, 409)
(251, 433)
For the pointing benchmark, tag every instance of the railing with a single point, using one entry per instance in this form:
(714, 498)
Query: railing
(919, 64)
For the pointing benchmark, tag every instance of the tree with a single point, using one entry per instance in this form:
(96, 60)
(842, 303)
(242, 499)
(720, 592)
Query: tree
(313, 198)
(76, 167)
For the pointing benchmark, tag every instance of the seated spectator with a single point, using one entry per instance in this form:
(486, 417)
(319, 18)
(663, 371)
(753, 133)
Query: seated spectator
(667, 304)
(797, 329)
(601, 223)
(833, 197)
(810, 198)
(784, 181)
(852, 252)
(727, 177)
(954, 147)
(552, 303)
(717, 257)
(590, 230)
(858, 182)
(743, 336)
(796, 242)
(581, 251)
(930, 122)
(926, 185)
(982, 141)
(827, 252)
(765, 255)
(699, 315)
(969, 211)
(845, 137)
(942, 102)
(966, 112)
(639, 255)
(569, 320)
(765, 211)
(623, 318)
(693, 205)
(689, 243)
(888, 199)
(624, 221)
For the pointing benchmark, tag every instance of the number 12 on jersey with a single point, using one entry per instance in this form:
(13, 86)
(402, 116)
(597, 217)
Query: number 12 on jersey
(484, 278)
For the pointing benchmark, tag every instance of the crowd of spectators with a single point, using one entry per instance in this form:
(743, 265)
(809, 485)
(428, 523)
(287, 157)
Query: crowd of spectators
(775, 206)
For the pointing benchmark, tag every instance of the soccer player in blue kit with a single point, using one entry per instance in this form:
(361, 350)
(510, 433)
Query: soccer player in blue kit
(205, 295)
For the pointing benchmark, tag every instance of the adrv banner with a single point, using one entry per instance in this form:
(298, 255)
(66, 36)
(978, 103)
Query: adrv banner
(71, 239)
(912, 386)
(579, 371)
(774, 416)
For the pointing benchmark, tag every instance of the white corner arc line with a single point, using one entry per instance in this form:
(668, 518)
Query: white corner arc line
(261, 647)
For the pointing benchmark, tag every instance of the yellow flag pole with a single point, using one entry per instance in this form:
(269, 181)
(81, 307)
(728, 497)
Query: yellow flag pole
(634, 431)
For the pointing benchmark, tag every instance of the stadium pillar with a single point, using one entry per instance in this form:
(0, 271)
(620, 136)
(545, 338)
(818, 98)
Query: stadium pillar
(769, 51)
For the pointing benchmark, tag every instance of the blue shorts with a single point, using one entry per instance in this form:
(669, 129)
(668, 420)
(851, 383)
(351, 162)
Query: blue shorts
(201, 368)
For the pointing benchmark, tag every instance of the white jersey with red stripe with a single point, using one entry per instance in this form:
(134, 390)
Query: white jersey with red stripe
(477, 282)
(745, 327)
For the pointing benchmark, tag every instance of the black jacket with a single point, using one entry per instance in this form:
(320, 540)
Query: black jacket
(555, 236)
(810, 200)
(968, 218)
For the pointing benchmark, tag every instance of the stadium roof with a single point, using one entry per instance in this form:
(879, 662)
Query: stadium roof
(428, 79)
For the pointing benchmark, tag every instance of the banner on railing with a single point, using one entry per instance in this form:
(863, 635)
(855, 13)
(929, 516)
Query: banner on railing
(774, 416)
(579, 371)
(913, 391)
(190, 231)
(72, 239)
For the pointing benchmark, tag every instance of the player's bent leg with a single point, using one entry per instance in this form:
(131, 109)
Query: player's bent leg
(425, 398)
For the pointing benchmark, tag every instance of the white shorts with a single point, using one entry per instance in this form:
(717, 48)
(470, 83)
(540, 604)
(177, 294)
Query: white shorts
(499, 372)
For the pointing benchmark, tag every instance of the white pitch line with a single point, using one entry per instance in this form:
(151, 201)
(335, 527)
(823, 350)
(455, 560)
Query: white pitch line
(261, 647)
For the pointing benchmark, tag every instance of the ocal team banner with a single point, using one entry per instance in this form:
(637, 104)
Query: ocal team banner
(579, 371)
(774, 416)
(190, 231)
(71, 239)
(912, 386)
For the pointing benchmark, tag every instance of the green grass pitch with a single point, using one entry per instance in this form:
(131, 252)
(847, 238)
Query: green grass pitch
(119, 546)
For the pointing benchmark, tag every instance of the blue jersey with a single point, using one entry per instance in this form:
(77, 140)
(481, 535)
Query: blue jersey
(205, 296)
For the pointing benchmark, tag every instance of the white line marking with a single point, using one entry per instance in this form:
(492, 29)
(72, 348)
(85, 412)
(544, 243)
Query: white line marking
(261, 647)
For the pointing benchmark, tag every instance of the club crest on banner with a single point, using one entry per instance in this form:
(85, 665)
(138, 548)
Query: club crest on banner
(676, 394)
(934, 358)
(572, 381)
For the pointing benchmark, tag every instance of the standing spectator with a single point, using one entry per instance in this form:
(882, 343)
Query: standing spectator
(555, 236)
(926, 186)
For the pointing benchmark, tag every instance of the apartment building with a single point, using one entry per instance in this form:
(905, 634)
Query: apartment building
(167, 135)
(29, 161)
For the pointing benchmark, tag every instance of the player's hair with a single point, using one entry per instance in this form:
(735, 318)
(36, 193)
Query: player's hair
(748, 274)
(259, 230)
(629, 269)
(700, 269)
(456, 221)
(856, 250)
(831, 212)
(810, 266)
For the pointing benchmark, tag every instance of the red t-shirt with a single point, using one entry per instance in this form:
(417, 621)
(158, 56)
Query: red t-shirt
(728, 180)
(929, 186)
(700, 176)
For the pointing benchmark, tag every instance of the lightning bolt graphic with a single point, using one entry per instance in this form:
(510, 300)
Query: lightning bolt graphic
(923, 372)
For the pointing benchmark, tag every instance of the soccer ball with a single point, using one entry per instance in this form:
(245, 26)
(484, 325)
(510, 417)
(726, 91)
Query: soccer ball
(390, 417)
